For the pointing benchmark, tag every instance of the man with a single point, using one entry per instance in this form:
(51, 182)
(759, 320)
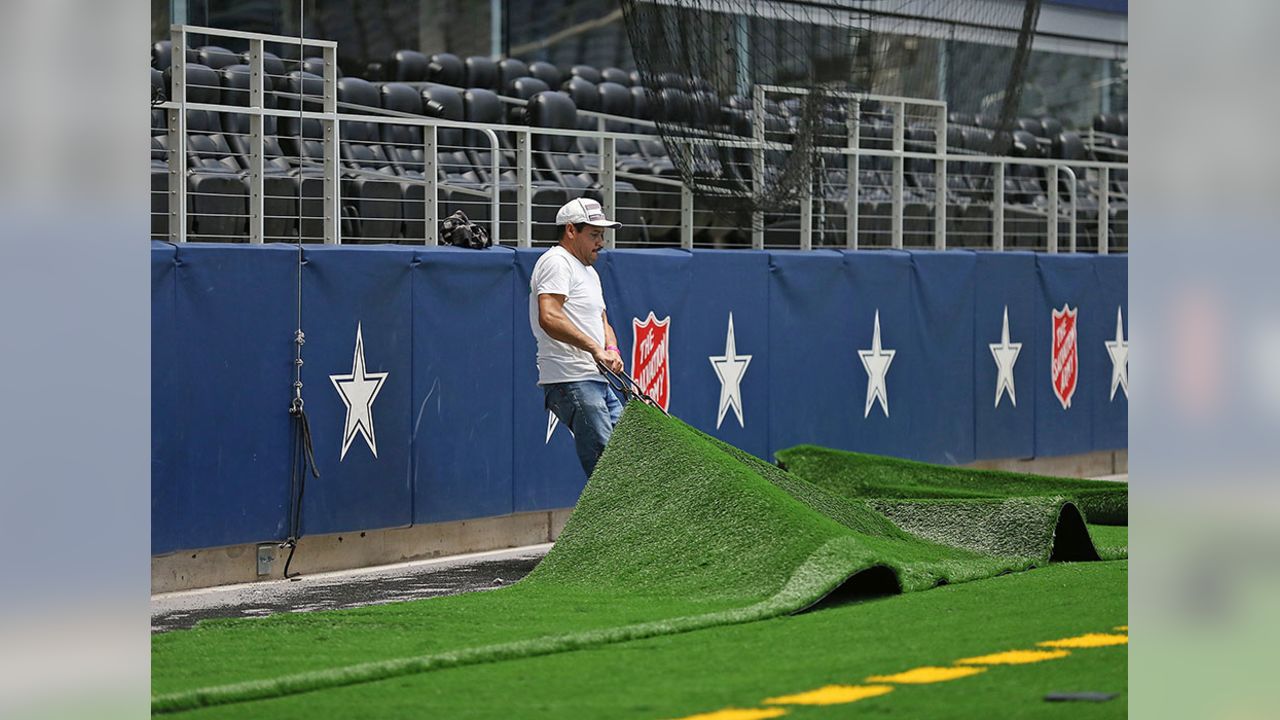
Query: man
(568, 319)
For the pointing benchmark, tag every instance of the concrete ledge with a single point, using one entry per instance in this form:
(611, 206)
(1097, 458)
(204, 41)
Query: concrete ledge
(210, 567)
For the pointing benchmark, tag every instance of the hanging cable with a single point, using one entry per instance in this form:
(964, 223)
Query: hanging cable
(302, 457)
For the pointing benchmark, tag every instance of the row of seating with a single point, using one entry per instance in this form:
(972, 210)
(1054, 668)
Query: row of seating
(382, 161)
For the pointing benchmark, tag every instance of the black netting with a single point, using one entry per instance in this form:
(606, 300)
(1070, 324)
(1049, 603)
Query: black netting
(702, 60)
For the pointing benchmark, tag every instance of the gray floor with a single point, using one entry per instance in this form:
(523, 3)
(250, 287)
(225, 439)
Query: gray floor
(353, 588)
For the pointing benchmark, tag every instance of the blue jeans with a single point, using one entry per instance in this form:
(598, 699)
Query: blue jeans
(590, 410)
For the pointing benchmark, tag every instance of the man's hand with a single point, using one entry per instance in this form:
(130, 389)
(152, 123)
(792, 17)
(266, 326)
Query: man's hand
(609, 359)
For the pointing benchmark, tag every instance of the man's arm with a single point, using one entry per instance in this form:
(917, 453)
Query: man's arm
(558, 326)
(611, 341)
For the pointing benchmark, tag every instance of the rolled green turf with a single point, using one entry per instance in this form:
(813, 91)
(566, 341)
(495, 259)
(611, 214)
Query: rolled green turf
(674, 532)
(859, 475)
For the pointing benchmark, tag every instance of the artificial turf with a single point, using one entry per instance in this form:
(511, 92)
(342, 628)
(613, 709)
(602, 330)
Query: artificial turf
(740, 666)
(675, 532)
(859, 475)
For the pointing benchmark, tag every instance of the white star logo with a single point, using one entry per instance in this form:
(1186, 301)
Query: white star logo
(876, 362)
(1118, 349)
(730, 368)
(1006, 354)
(358, 391)
(553, 422)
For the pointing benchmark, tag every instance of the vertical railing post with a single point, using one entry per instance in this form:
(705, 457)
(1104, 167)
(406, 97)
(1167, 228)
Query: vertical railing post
(1104, 210)
(899, 145)
(853, 125)
(524, 178)
(997, 208)
(178, 137)
(431, 192)
(332, 187)
(940, 183)
(609, 181)
(757, 165)
(257, 102)
(806, 214)
(1052, 175)
(686, 217)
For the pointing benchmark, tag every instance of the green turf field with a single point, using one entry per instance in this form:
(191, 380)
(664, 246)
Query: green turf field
(676, 537)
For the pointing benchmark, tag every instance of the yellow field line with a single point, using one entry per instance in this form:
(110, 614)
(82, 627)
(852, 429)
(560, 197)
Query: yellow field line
(884, 684)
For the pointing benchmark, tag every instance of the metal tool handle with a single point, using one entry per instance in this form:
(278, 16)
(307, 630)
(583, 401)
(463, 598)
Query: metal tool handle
(625, 384)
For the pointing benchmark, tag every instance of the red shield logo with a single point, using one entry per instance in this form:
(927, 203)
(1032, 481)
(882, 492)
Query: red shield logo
(1066, 359)
(649, 357)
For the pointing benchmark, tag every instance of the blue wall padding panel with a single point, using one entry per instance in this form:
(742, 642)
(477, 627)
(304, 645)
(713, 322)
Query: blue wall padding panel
(462, 359)
(460, 426)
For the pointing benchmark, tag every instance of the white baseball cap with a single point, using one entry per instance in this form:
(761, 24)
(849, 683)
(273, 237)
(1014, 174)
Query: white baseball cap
(584, 210)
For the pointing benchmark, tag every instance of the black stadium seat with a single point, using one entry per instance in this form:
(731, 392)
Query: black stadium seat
(546, 72)
(446, 69)
(482, 72)
(281, 178)
(315, 66)
(217, 196)
(376, 200)
(614, 75)
(586, 72)
(216, 57)
(403, 146)
(406, 66)
(509, 70)
(453, 163)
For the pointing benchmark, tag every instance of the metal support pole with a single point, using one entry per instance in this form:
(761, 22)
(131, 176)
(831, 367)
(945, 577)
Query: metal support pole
(430, 193)
(757, 165)
(806, 216)
(332, 186)
(524, 176)
(1071, 226)
(853, 125)
(609, 181)
(899, 129)
(940, 183)
(997, 208)
(686, 217)
(1104, 210)
(1052, 175)
(257, 101)
(178, 138)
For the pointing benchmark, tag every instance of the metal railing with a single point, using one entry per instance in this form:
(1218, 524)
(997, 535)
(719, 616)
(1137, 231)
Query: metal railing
(908, 189)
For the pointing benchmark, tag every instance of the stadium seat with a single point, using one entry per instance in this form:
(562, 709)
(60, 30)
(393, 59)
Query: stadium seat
(403, 146)
(280, 182)
(446, 69)
(315, 66)
(509, 70)
(614, 75)
(482, 72)
(406, 66)
(586, 72)
(453, 163)
(1050, 127)
(546, 72)
(376, 200)
(216, 57)
(217, 196)
(162, 55)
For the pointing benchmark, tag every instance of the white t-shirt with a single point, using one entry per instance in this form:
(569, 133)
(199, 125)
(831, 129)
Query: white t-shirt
(558, 272)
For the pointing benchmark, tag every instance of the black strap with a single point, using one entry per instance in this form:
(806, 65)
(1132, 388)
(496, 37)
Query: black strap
(303, 459)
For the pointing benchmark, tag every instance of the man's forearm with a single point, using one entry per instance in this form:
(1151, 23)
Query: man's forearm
(562, 328)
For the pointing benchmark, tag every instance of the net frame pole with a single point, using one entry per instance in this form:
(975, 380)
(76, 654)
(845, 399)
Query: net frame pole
(257, 101)
(853, 127)
(757, 164)
(899, 165)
